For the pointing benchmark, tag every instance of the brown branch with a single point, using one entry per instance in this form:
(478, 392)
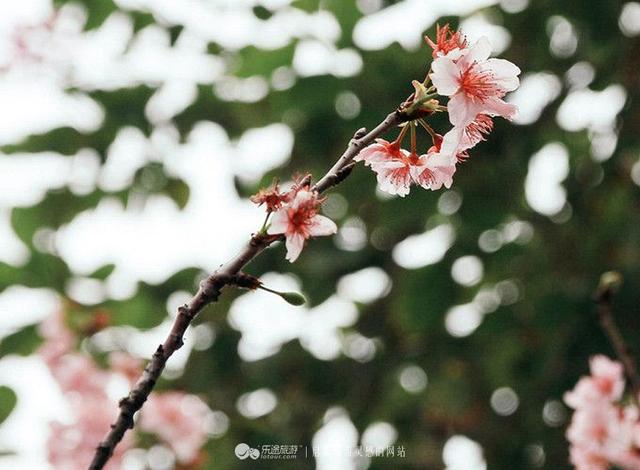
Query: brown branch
(609, 284)
(210, 289)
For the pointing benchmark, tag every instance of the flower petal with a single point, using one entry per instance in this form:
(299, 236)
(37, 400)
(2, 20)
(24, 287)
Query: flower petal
(279, 222)
(498, 107)
(295, 243)
(434, 170)
(479, 52)
(445, 76)
(322, 226)
(445, 175)
(462, 111)
(370, 153)
(504, 73)
(451, 144)
(395, 180)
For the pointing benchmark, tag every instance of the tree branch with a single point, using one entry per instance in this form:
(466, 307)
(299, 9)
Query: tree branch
(211, 287)
(609, 284)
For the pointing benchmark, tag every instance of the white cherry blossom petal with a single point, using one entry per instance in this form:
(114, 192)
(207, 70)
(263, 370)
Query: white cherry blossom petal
(294, 243)
(445, 76)
(322, 226)
(279, 222)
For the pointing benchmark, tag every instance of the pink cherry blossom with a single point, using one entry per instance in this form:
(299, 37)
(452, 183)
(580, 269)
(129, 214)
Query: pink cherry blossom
(176, 418)
(128, 366)
(71, 445)
(179, 420)
(584, 393)
(379, 152)
(431, 171)
(397, 169)
(435, 168)
(586, 459)
(58, 339)
(272, 198)
(298, 220)
(473, 133)
(602, 432)
(391, 164)
(394, 174)
(475, 84)
(608, 376)
(448, 43)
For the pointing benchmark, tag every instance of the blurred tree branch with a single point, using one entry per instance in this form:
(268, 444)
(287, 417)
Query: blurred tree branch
(211, 287)
(609, 284)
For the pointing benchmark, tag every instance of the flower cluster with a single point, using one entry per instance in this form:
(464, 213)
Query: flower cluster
(475, 85)
(176, 418)
(295, 215)
(603, 433)
(72, 444)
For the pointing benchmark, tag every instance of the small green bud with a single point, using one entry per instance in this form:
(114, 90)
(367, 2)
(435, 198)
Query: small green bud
(420, 91)
(610, 281)
(422, 101)
(293, 298)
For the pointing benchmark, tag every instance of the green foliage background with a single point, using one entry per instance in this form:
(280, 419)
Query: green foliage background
(538, 346)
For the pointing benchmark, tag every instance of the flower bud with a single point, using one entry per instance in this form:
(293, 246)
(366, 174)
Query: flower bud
(293, 298)
(610, 281)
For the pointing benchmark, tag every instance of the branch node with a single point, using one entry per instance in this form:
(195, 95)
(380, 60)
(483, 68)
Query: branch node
(210, 288)
(178, 340)
(360, 133)
(184, 310)
(343, 173)
(246, 281)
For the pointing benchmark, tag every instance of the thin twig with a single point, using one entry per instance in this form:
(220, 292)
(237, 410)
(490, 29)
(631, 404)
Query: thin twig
(609, 284)
(210, 289)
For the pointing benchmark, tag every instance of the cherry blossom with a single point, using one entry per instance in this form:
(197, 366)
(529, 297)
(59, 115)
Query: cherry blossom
(58, 339)
(475, 132)
(431, 170)
(298, 220)
(394, 172)
(272, 198)
(475, 84)
(125, 364)
(602, 432)
(71, 445)
(379, 152)
(608, 377)
(448, 43)
(434, 169)
(176, 418)
(397, 169)
(179, 420)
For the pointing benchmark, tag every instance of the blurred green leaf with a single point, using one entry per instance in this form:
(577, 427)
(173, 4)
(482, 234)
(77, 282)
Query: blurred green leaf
(103, 272)
(23, 342)
(8, 400)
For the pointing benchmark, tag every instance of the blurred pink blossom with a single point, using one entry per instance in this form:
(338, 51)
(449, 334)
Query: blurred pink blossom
(179, 420)
(602, 432)
(175, 418)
